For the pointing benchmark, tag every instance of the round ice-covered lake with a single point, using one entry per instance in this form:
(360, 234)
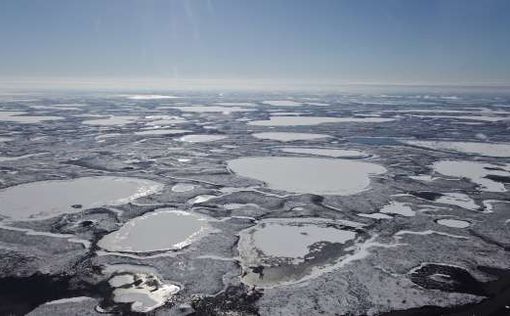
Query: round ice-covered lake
(308, 175)
(473, 148)
(288, 137)
(201, 138)
(280, 251)
(335, 153)
(478, 172)
(316, 120)
(22, 117)
(161, 132)
(161, 230)
(276, 239)
(44, 199)
(455, 223)
(111, 121)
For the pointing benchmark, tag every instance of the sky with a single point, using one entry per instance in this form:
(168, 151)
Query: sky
(306, 41)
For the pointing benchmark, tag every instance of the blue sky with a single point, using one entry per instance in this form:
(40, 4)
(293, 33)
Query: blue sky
(378, 41)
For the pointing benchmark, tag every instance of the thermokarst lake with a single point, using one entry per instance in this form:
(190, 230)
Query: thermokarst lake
(184, 203)
(308, 175)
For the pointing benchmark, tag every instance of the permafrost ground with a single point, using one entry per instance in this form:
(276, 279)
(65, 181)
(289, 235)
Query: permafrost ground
(245, 204)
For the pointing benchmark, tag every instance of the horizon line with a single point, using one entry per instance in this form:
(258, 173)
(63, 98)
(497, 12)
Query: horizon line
(161, 83)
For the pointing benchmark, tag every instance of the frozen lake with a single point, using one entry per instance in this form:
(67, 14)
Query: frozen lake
(44, 199)
(308, 120)
(288, 137)
(157, 231)
(308, 175)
